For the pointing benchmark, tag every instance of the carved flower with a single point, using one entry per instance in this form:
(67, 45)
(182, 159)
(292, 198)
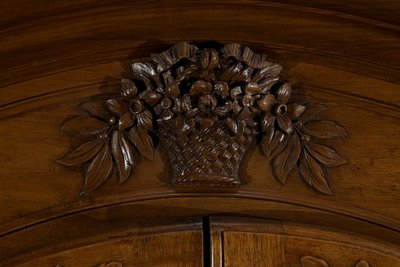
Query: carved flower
(130, 109)
(118, 124)
(190, 90)
(291, 132)
(278, 109)
(244, 109)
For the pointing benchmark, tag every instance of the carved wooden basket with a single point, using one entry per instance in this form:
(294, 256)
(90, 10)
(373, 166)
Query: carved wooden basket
(208, 156)
(206, 106)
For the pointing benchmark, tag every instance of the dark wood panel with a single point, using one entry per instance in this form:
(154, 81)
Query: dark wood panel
(249, 242)
(56, 54)
(172, 244)
(260, 249)
(41, 42)
(368, 181)
(176, 249)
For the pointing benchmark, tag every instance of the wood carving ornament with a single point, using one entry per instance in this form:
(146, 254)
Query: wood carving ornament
(206, 107)
(309, 261)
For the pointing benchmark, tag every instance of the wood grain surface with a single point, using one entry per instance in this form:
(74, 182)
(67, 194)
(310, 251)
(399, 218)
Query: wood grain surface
(56, 54)
(254, 242)
(162, 243)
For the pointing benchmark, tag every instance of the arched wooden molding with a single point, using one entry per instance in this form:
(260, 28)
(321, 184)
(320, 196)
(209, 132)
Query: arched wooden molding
(206, 107)
(105, 264)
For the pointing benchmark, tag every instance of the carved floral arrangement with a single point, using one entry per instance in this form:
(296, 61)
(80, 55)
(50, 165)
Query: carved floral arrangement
(206, 107)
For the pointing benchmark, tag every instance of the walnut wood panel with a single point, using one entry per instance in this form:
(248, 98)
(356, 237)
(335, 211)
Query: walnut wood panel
(360, 187)
(256, 243)
(177, 249)
(369, 180)
(244, 249)
(56, 54)
(93, 224)
(173, 244)
(37, 41)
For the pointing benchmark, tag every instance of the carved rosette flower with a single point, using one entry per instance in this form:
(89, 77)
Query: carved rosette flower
(206, 106)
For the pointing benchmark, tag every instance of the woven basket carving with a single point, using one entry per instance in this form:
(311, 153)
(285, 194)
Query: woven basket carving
(206, 105)
(208, 156)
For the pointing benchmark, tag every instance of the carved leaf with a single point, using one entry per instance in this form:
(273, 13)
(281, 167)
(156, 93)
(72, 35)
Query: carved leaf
(118, 106)
(313, 110)
(267, 102)
(142, 141)
(313, 174)
(97, 109)
(172, 90)
(309, 261)
(361, 263)
(232, 74)
(267, 125)
(244, 53)
(277, 144)
(325, 155)
(324, 129)
(285, 123)
(150, 97)
(145, 120)
(169, 57)
(128, 87)
(295, 110)
(125, 121)
(209, 58)
(266, 84)
(271, 70)
(195, 91)
(83, 153)
(123, 156)
(145, 69)
(287, 159)
(84, 125)
(99, 170)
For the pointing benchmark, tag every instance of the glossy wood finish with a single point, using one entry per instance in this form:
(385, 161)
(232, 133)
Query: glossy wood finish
(207, 107)
(242, 249)
(170, 243)
(293, 29)
(57, 54)
(252, 242)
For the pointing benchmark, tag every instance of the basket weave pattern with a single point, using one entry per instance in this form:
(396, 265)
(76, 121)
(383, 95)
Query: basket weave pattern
(207, 156)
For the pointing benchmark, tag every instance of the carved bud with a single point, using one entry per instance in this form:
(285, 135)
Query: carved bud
(222, 89)
(252, 88)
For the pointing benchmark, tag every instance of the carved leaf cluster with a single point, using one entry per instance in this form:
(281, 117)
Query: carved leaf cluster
(194, 89)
